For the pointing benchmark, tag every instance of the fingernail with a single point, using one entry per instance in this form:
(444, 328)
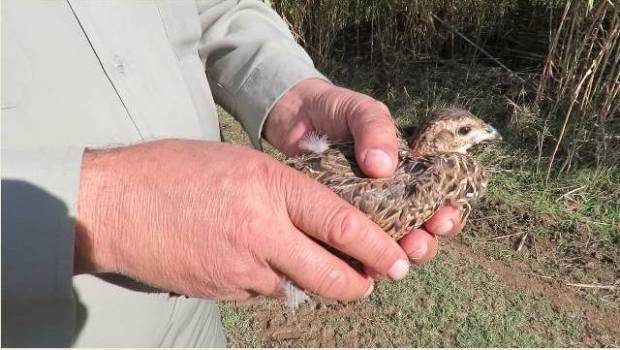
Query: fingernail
(378, 159)
(399, 269)
(369, 291)
(418, 252)
(445, 227)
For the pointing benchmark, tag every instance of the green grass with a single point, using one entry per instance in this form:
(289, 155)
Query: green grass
(451, 302)
(239, 324)
(454, 302)
(572, 221)
(591, 201)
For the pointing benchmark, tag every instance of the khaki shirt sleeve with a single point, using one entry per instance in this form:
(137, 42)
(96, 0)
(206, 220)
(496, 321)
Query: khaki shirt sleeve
(39, 192)
(251, 59)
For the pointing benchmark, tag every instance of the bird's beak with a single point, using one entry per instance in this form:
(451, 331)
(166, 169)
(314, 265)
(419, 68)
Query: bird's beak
(493, 133)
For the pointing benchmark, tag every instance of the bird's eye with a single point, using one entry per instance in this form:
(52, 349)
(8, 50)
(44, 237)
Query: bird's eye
(464, 130)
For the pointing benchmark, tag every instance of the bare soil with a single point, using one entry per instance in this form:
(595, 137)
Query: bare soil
(277, 326)
(554, 252)
(602, 323)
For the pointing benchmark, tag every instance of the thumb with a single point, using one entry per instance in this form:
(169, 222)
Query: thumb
(374, 134)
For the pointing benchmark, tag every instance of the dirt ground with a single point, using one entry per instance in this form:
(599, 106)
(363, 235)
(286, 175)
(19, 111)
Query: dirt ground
(517, 276)
(272, 324)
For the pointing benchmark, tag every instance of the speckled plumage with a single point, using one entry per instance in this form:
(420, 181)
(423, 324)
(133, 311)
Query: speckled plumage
(434, 172)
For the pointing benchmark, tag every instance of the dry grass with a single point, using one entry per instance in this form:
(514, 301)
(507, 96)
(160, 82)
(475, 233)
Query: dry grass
(565, 52)
(538, 264)
(386, 31)
(580, 83)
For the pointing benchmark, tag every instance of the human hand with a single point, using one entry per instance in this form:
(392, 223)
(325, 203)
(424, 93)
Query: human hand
(216, 220)
(342, 114)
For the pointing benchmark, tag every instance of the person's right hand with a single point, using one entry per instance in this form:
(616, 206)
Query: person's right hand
(208, 219)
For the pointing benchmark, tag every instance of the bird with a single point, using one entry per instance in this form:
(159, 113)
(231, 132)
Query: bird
(434, 170)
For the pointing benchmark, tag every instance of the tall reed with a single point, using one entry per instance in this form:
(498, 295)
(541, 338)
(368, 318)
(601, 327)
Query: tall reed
(569, 48)
(580, 84)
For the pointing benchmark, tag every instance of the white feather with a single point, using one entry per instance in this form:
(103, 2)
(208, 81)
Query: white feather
(294, 295)
(314, 143)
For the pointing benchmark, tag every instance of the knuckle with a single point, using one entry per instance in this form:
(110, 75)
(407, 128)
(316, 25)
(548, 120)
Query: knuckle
(379, 122)
(345, 228)
(382, 107)
(380, 253)
(332, 282)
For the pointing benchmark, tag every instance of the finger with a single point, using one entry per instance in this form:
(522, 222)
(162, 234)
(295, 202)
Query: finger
(375, 140)
(316, 270)
(320, 213)
(268, 282)
(419, 245)
(446, 222)
(239, 295)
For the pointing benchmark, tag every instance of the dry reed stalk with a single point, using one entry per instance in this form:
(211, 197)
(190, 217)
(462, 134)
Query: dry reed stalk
(580, 75)
(577, 92)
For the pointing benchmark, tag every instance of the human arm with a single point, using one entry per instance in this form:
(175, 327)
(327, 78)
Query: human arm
(251, 59)
(217, 220)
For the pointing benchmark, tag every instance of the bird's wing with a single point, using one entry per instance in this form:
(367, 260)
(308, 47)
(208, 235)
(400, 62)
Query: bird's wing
(397, 204)
(336, 162)
(461, 179)
(419, 187)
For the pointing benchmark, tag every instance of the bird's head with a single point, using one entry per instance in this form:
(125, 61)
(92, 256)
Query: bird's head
(452, 130)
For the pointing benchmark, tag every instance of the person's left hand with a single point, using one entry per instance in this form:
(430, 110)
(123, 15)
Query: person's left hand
(341, 114)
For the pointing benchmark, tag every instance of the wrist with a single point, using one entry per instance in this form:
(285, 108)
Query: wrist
(92, 253)
(124, 198)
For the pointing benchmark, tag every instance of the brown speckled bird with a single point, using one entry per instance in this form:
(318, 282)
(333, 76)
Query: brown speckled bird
(433, 170)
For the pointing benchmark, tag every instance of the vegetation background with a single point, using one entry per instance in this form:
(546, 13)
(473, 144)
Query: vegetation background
(539, 264)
